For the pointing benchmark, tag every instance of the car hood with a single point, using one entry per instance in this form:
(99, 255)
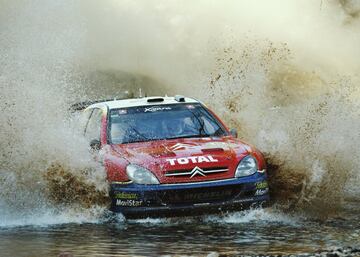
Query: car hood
(176, 161)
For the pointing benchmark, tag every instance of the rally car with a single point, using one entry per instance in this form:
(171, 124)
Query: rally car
(170, 156)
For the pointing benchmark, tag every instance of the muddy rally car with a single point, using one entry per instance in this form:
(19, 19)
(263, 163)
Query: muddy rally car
(170, 156)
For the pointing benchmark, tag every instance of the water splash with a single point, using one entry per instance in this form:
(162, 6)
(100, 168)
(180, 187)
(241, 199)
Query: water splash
(38, 81)
(288, 82)
(48, 217)
(305, 123)
(267, 215)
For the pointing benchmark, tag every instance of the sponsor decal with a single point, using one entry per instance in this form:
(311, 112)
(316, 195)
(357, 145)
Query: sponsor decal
(123, 195)
(261, 191)
(122, 111)
(128, 203)
(180, 146)
(203, 196)
(157, 108)
(208, 195)
(197, 171)
(192, 159)
(261, 185)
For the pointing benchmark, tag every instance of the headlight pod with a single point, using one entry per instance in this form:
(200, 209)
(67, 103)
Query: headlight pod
(140, 175)
(247, 166)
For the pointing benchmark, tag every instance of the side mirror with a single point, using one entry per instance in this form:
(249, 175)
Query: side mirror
(95, 144)
(234, 132)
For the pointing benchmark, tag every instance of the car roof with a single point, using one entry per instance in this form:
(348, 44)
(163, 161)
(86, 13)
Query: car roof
(144, 101)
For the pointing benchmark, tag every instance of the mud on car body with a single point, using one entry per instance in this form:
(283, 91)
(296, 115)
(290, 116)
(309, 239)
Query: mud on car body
(167, 156)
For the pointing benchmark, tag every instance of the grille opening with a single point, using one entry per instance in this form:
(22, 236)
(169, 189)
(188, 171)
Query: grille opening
(200, 195)
(188, 172)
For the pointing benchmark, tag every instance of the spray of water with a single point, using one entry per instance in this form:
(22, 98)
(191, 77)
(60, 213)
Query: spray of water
(39, 46)
(288, 80)
(284, 73)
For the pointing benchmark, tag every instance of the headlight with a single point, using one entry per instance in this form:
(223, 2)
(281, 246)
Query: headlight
(140, 175)
(247, 166)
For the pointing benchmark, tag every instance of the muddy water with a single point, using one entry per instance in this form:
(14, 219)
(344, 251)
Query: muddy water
(288, 82)
(250, 232)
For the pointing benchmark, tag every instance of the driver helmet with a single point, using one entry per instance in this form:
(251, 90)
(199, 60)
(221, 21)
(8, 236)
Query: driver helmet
(174, 127)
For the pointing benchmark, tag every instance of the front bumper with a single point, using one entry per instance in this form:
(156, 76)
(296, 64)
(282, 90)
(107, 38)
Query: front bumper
(137, 201)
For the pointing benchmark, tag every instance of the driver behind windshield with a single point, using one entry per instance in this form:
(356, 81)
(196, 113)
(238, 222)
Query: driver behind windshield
(136, 125)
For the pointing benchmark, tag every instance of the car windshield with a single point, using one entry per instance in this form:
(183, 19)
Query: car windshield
(139, 124)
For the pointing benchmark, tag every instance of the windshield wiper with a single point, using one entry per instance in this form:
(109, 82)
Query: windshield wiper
(135, 139)
(201, 122)
(139, 134)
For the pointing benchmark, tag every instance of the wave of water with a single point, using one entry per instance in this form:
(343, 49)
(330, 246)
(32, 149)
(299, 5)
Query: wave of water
(268, 215)
(258, 215)
(289, 83)
(42, 217)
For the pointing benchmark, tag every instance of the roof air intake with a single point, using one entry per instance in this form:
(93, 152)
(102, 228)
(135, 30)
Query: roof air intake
(154, 100)
(180, 98)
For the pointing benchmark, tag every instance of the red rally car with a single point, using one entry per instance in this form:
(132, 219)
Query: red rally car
(169, 156)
